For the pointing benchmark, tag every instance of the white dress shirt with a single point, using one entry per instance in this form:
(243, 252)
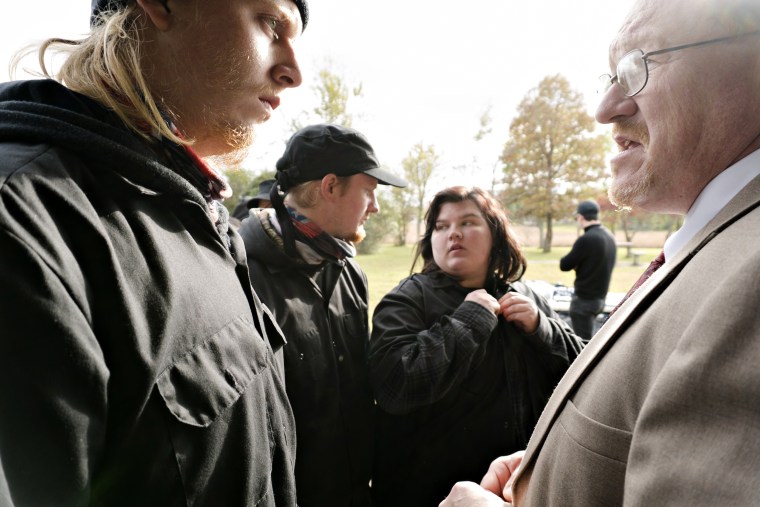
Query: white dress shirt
(712, 199)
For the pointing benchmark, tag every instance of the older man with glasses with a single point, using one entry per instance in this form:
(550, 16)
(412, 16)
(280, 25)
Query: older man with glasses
(662, 407)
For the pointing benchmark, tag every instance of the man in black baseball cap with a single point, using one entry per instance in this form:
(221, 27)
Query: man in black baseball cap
(593, 258)
(137, 365)
(301, 260)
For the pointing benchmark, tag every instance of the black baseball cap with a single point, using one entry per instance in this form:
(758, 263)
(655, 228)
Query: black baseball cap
(588, 210)
(318, 150)
(265, 188)
(99, 6)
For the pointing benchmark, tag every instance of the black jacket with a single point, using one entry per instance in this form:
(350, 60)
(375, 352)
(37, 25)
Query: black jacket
(322, 310)
(134, 362)
(593, 258)
(457, 386)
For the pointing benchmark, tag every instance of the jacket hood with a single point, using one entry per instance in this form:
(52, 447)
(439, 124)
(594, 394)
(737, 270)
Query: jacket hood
(259, 245)
(46, 112)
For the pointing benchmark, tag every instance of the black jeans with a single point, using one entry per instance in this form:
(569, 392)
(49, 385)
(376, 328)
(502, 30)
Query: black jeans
(582, 313)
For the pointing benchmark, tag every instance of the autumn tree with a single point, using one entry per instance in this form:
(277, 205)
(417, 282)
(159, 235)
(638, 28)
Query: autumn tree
(552, 153)
(419, 167)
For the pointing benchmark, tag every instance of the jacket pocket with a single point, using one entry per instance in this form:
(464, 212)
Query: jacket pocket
(212, 376)
(598, 455)
(218, 401)
(598, 438)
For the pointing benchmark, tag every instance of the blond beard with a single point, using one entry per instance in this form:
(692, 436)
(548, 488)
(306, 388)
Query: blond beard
(357, 237)
(627, 195)
(239, 141)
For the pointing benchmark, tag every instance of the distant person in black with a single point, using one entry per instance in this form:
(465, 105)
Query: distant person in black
(592, 257)
(260, 200)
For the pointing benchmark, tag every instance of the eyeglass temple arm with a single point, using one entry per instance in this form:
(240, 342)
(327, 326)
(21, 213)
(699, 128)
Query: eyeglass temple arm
(694, 44)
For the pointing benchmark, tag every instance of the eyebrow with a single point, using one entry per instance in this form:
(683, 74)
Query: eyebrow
(468, 215)
(289, 17)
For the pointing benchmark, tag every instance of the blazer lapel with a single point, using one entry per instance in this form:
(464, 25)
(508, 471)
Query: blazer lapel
(747, 200)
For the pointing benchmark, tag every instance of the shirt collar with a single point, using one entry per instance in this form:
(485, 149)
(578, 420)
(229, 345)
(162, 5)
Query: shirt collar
(712, 199)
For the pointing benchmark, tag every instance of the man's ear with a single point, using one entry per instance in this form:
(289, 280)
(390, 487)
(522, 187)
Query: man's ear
(329, 187)
(158, 12)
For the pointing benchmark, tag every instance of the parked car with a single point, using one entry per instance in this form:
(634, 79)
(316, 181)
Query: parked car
(559, 297)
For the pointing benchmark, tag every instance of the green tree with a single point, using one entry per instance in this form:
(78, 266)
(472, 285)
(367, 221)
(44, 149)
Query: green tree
(552, 154)
(419, 167)
(379, 225)
(402, 212)
(240, 180)
(334, 96)
(253, 186)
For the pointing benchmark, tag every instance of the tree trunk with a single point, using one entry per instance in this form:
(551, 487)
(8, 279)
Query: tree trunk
(549, 234)
(401, 232)
(541, 238)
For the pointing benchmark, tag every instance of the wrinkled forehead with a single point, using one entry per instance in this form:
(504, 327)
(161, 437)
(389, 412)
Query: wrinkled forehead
(649, 25)
(657, 24)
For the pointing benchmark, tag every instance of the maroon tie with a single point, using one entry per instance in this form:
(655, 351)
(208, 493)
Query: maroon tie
(653, 266)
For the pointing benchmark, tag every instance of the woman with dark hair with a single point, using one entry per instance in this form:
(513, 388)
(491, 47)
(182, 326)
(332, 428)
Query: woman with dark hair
(463, 356)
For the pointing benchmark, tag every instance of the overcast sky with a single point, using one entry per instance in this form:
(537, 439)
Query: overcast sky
(428, 69)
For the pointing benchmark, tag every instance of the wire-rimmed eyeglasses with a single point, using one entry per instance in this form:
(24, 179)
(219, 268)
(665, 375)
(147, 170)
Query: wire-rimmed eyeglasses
(633, 69)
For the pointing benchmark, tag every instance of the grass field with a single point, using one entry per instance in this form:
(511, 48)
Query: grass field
(391, 264)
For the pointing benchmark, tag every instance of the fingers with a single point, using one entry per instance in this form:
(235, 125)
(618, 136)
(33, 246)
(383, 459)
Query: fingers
(519, 309)
(501, 474)
(469, 494)
(484, 299)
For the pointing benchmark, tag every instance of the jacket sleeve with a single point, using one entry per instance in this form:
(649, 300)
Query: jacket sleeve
(53, 380)
(553, 336)
(413, 364)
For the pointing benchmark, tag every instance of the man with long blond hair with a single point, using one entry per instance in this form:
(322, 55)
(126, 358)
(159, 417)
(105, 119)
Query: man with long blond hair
(137, 365)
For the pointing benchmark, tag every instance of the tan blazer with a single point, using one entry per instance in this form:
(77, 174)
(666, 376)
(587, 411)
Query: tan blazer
(663, 406)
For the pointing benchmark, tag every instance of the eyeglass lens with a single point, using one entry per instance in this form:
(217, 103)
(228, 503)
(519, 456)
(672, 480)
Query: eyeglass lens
(632, 72)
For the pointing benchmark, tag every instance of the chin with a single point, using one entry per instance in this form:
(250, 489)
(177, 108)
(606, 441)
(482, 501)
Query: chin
(630, 192)
(230, 160)
(356, 237)
(227, 144)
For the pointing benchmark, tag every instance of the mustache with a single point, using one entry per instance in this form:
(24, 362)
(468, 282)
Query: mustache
(627, 127)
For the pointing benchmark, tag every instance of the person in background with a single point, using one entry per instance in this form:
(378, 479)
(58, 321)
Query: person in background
(463, 355)
(301, 257)
(593, 259)
(260, 200)
(661, 407)
(137, 366)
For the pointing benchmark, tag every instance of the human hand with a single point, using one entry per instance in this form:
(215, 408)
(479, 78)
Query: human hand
(501, 474)
(484, 299)
(469, 494)
(519, 309)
